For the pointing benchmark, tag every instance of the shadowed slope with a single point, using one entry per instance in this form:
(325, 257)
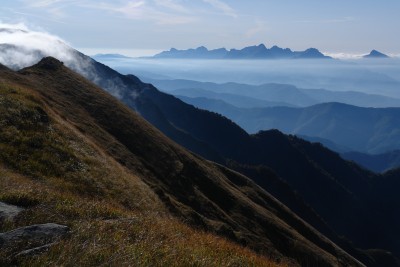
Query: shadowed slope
(372, 130)
(336, 189)
(322, 187)
(205, 194)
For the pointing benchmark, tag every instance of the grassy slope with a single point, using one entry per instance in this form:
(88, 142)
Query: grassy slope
(61, 176)
(107, 148)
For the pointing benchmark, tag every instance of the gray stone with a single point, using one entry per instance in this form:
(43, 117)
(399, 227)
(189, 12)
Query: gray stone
(8, 212)
(32, 236)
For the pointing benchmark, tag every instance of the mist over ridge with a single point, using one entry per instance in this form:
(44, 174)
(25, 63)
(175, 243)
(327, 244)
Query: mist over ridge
(22, 47)
(377, 76)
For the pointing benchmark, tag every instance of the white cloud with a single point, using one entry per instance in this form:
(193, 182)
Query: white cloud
(149, 11)
(394, 55)
(48, 3)
(17, 26)
(54, 8)
(259, 27)
(344, 55)
(161, 12)
(133, 9)
(354, 55)
(172, 5)
(21, 47)
(43, 3)
(24, 14)
(225, 8)
(20, 35)
(328, 21)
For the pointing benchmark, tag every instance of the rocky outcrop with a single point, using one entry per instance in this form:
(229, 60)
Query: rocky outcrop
(32, 239)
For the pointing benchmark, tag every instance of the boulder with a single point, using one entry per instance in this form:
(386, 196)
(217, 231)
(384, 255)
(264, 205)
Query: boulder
(33, 236)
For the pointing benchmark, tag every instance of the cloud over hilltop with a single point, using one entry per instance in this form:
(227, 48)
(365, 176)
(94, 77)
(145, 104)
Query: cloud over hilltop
(21, 47)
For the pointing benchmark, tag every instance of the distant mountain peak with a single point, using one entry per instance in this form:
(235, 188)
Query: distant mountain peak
(312, 53)
(250, 52)
(202, 48)
(109, 56)
(275, 47)
(376, 54)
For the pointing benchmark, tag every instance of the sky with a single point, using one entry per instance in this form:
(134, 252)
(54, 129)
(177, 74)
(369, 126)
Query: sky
(144, 27)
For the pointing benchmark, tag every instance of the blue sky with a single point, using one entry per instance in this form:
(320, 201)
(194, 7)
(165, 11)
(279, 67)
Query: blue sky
(340, 26)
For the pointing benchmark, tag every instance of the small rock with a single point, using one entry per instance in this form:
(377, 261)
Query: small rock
(8, 212)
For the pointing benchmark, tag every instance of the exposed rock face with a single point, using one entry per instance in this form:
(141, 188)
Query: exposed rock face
(32, 238)
(8, 212)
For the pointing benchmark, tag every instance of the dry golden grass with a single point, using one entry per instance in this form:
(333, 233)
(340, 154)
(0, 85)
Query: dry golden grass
(105, 233)
(145, 241)
(59, 176)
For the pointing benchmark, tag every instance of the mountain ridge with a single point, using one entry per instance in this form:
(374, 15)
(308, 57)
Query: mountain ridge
(368, 130)
(250, 52)
(376, 54)
(231, 142)
(59, 161)
(109, 56)
(354, 202)
(159, 109)
(376, 162)
(249, 151)
(224, 200)
(285, 94)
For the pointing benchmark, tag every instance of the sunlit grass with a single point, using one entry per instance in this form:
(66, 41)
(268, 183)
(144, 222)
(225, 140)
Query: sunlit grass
(57, 175)
(106, 233)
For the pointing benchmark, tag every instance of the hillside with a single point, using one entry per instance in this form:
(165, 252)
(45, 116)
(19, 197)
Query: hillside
(339, 193)
(60, 173)
(333, 192)
(377, 163)
(236, 100)
(115, 181)
(370, 130)
(270, 94)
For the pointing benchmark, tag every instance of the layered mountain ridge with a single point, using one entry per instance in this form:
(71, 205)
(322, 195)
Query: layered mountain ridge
(369, 130)
(231, 142)
(228, 141)
(271, 94)
(198, 191)
(250, 52)
(326, 185)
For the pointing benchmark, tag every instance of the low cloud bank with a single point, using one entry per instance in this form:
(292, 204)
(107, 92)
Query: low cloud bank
(22, 47)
